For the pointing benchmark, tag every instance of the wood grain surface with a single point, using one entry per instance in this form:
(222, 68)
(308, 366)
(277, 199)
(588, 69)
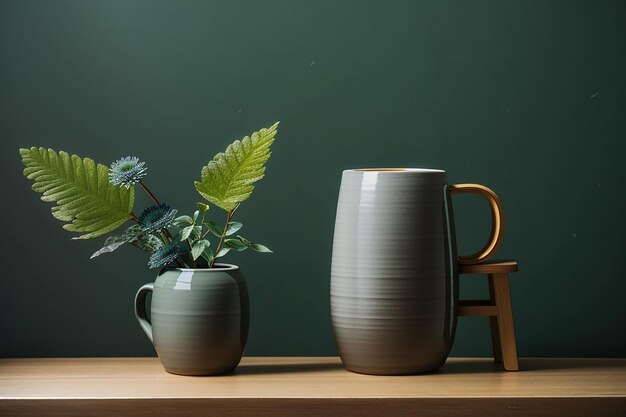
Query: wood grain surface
(311, 386)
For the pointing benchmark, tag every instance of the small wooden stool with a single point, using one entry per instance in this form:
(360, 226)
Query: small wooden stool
(498, 308)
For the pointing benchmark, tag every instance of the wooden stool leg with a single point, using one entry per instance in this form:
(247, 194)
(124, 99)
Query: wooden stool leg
(493, 324)
(505, 321)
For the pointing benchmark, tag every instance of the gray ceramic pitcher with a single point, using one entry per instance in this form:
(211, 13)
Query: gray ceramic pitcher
(199, 319)
(394, 275)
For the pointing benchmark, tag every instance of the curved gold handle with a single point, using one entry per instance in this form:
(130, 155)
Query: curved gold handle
(497, 224)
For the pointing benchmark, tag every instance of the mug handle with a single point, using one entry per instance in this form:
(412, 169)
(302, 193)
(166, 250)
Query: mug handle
(497, 221)
(140, 309)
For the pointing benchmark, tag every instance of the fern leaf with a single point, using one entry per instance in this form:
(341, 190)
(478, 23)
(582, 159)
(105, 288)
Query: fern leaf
(227, 180)
(81, 190)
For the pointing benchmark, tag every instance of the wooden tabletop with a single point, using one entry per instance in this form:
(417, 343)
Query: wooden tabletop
(310, 386)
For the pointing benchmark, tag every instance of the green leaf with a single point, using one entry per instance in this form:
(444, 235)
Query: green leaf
(186, 232)
(148, 242)
(182, 221)
(113, 242)
(81, 190)
(244, 240)
(108, 247)
(195, 233)
(208, 255)
(233, 227)
(235, 244)
(223, 251)
(256, 246)
(202, 207)
(134, 235)
(199, 247)
(215, 228)
(227, 180)
(195, 215)
(260, 248)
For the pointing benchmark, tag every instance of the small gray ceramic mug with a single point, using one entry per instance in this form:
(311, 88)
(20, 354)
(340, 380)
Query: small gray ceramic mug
(199, 318)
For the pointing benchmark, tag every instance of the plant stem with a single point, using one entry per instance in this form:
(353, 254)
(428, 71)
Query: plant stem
(232, 213)
(165, 235)
(152, 197)
(203, 217)
(219, 246)
(201, 237)
(193, 261)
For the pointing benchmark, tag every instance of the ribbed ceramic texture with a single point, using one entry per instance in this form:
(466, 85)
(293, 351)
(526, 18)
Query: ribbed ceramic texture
(200, 320)
(394, 280)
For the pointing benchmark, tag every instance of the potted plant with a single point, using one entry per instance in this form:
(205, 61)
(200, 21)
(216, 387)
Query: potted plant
(200, 309)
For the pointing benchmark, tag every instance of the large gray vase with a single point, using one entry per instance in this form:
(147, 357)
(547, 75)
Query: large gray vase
(199, 319)
(394, 277)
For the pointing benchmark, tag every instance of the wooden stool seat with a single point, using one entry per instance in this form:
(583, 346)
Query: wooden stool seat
(489, 267)
(498, 308)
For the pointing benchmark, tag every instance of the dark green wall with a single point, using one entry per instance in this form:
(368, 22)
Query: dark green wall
(527, 97)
